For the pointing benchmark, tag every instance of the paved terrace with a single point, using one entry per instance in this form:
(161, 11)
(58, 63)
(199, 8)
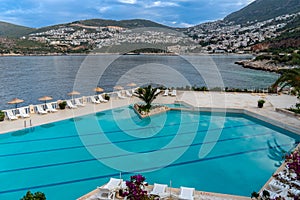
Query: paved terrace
(237, 102)
(215, 101)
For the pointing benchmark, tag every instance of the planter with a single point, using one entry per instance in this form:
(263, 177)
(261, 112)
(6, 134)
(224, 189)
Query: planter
(62, 105)
(260, 105)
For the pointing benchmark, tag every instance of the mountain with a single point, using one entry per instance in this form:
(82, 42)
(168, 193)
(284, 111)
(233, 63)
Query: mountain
(261, 10)
(13, 31)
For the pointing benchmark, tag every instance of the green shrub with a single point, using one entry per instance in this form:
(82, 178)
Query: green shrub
(2, 115)
(35, 196)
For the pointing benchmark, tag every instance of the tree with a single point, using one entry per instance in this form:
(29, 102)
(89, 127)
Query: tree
(289, 77)
(147, 94)
(35, 196)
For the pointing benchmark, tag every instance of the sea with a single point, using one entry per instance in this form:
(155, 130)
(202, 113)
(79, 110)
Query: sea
(31, 77)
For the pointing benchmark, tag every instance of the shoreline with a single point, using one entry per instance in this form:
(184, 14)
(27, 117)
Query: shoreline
(263, 65)
(142, 54)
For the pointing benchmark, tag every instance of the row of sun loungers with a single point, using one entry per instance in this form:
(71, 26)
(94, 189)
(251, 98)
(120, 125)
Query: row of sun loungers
(108, 191)
(48, 107)
(283, 184)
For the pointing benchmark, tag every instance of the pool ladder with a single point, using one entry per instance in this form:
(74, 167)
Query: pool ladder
(30, 124)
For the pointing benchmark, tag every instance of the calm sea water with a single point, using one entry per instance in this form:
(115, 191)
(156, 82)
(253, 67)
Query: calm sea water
(29, 78)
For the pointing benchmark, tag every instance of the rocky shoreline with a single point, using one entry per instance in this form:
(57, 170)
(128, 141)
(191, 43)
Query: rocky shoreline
(264, 65)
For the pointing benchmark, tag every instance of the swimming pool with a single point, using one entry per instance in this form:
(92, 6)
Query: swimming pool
(52, 158)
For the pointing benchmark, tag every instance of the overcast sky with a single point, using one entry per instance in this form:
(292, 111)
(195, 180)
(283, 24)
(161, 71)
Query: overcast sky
(177, 13)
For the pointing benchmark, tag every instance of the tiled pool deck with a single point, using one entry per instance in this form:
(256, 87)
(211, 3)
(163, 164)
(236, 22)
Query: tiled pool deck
(212, 101)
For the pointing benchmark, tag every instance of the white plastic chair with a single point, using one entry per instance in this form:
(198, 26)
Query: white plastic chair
(186, 193)
(160, 190)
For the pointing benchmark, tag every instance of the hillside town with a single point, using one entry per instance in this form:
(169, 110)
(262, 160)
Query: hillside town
(221, 36)
(212, 37)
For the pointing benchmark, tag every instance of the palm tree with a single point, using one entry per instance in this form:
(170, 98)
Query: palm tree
(289, 77)
(147, 94)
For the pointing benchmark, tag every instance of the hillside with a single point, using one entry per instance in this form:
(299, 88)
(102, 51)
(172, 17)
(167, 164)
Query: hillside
(13, 31)
(261, 10)
(130, 24)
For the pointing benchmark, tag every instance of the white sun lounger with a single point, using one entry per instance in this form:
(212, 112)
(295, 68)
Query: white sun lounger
(103, 194)
(40, 110)
(70, 104)
(166, 92)
(113, 183)
(174, 93)
(107, 191)
(50, 108)
(128, 93)
(160, 190)
(101, 99)
(10, 115)
(78, 103)
(157, 91)
(186, 193)
(94, 100)
(22, 113)
(120, 96)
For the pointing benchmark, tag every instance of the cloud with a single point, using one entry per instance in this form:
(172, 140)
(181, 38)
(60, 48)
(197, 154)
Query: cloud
(128, 1)
(161, 4)
(103, 9)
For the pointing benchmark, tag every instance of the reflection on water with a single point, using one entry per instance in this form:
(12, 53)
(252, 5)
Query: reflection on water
(29, 78)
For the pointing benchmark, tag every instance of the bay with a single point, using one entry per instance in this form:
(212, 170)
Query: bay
(31, 77)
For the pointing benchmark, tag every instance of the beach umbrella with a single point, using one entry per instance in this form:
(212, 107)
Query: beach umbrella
(118, 87)
(131, 84)
(98, 89)
(73, 93)
(45, 99)
(15, 101)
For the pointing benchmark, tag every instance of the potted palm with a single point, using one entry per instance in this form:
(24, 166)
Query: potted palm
(260, 103)
(62, 105)
(2, 115)
(147, 94)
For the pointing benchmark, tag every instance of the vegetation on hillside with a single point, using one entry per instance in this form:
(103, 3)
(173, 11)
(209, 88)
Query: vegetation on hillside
(13, 31)
(261, 10)
(281, 57)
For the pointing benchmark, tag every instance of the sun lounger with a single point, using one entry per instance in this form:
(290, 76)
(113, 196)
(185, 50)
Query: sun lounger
(94, 100)
(174, 93)
(10, 115)
(157, 91)
(101, 99)
(50, 108)
(159, 190)
(103, 194)
(128, 93)
(22, 113)
(166, 92)
(78, 103)
(120, 96)
(186, 193)
(70, 104)
(275, 184)
(40, 110)
(113, 183)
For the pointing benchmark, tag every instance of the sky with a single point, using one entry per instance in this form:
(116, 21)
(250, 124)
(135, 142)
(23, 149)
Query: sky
(175, 13)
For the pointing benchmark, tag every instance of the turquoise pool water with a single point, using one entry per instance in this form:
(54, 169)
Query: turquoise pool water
(241, 153)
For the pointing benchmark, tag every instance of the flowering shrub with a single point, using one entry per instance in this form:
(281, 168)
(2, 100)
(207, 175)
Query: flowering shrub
(135, 188)
(293, 163)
